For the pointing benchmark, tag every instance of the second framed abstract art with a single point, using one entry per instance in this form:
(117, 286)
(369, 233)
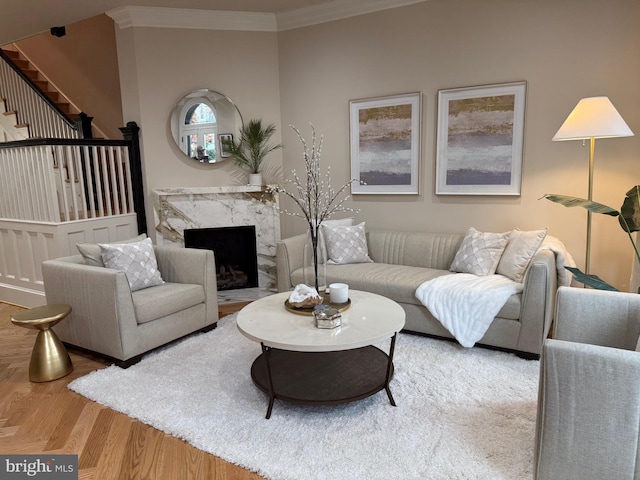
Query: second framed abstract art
(480, 140)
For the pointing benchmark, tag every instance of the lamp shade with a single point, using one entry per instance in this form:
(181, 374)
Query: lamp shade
(593, 117)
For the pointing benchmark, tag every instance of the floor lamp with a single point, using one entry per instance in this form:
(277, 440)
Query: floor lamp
(593, 117)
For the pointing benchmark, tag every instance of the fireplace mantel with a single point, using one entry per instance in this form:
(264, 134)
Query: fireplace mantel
(180, 208)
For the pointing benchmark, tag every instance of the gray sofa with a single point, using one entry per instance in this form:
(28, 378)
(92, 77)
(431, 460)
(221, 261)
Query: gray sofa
(110, 319)
(403, 260)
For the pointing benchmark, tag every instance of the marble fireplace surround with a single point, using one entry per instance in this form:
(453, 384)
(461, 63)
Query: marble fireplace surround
(179, 208)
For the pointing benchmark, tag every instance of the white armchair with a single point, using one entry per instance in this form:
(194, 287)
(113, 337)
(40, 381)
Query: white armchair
(589, 398)
(110, 319)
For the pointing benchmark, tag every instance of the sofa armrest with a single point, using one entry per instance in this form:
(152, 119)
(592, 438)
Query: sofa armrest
(289, 258)
(598, 317)
(191, 265)
(538, 299)
(102, 304)
(588, 412)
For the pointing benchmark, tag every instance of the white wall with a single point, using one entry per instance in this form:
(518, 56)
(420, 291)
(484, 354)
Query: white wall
(158, 66)
(565, 50)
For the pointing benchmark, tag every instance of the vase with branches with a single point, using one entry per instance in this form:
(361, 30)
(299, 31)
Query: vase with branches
(316, 199)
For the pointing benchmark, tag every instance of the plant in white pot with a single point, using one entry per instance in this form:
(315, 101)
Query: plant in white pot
(252, 147)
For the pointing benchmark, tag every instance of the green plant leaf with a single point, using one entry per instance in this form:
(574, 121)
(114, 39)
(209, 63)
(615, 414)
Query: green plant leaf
(591, 280)
(630, 210)
(590, 205)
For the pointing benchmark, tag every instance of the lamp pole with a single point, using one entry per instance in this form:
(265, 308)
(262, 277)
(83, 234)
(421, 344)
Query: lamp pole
(592, 150)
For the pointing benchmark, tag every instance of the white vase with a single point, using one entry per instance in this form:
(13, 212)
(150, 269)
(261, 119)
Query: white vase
(255, 179)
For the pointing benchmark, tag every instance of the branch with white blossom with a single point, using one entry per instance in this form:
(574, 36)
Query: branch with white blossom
(316, 198)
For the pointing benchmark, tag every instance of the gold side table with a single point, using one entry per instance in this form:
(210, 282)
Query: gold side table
(49, 358)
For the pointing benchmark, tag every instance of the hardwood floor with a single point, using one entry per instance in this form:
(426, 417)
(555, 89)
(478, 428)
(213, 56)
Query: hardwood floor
(49, 418)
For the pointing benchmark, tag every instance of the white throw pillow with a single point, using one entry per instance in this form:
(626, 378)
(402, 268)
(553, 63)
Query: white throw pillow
(517, 255)
(136, 260)
(92, 253)
(479, 252)
(346, 244)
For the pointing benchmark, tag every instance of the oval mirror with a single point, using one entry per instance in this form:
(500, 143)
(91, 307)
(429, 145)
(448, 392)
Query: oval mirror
(200, 120)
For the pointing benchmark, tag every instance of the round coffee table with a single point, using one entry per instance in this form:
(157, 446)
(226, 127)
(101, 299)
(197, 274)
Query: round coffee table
(304, 364)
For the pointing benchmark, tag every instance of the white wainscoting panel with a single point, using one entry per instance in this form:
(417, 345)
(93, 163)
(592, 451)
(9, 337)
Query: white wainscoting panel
(25, 245)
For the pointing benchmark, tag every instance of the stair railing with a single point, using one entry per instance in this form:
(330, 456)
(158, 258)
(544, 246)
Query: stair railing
(45, 118)
(61, 180)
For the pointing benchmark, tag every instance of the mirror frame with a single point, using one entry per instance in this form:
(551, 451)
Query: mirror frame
(228, 120)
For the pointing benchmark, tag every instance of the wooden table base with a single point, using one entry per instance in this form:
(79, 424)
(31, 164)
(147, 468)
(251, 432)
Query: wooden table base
(323, 378)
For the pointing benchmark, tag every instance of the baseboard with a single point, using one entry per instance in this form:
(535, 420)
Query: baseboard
(23, 297)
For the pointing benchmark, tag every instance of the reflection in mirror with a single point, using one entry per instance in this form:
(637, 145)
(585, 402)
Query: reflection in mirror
(199, 120)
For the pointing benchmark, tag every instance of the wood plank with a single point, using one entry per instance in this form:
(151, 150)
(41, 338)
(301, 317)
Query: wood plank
(48, 417)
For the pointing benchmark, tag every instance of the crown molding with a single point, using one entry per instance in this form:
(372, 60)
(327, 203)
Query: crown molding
(160, 17)
(335, 10)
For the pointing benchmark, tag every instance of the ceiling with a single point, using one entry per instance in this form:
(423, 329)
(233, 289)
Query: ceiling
(24, 18)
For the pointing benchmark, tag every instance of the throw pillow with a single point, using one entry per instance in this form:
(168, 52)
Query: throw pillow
(136, 260)
(346, 244)
(480, 252)
(520, 249)
(92, 253)
(340, 222)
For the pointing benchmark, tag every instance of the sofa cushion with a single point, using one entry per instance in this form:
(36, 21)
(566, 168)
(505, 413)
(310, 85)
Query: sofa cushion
(136, 260)
(480, 252)
(397, 282)
(92, 253)
(346, 244)
(517, 255)
(162, 300)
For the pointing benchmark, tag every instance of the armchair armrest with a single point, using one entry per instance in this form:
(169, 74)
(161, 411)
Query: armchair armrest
(289, 258)
(588, 412)
(597, 317)
(538, 297)
(96, 320)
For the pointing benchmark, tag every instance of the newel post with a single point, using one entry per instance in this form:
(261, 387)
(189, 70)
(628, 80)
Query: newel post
(83, 125)
(131, 133)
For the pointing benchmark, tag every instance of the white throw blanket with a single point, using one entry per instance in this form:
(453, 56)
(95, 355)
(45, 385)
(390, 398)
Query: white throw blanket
(466, 304)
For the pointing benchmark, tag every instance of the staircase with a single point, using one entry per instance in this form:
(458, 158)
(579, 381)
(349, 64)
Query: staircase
(13, 130)
(61, 103)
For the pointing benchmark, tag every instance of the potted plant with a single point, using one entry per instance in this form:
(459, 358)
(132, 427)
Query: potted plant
(628, 217)
(252, 147)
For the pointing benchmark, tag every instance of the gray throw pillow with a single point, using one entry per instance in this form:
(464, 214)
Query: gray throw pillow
(480, 252)
(92, 254)
(340, 222)
(346, 244)
(136, 260)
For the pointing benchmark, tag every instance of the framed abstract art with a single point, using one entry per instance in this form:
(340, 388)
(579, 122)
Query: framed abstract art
(385, 144)
(480, 140)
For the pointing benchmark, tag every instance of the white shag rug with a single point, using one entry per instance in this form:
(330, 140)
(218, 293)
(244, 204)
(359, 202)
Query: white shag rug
(461, 414)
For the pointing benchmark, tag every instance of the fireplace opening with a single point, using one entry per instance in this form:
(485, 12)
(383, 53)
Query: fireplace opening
(235, 252)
